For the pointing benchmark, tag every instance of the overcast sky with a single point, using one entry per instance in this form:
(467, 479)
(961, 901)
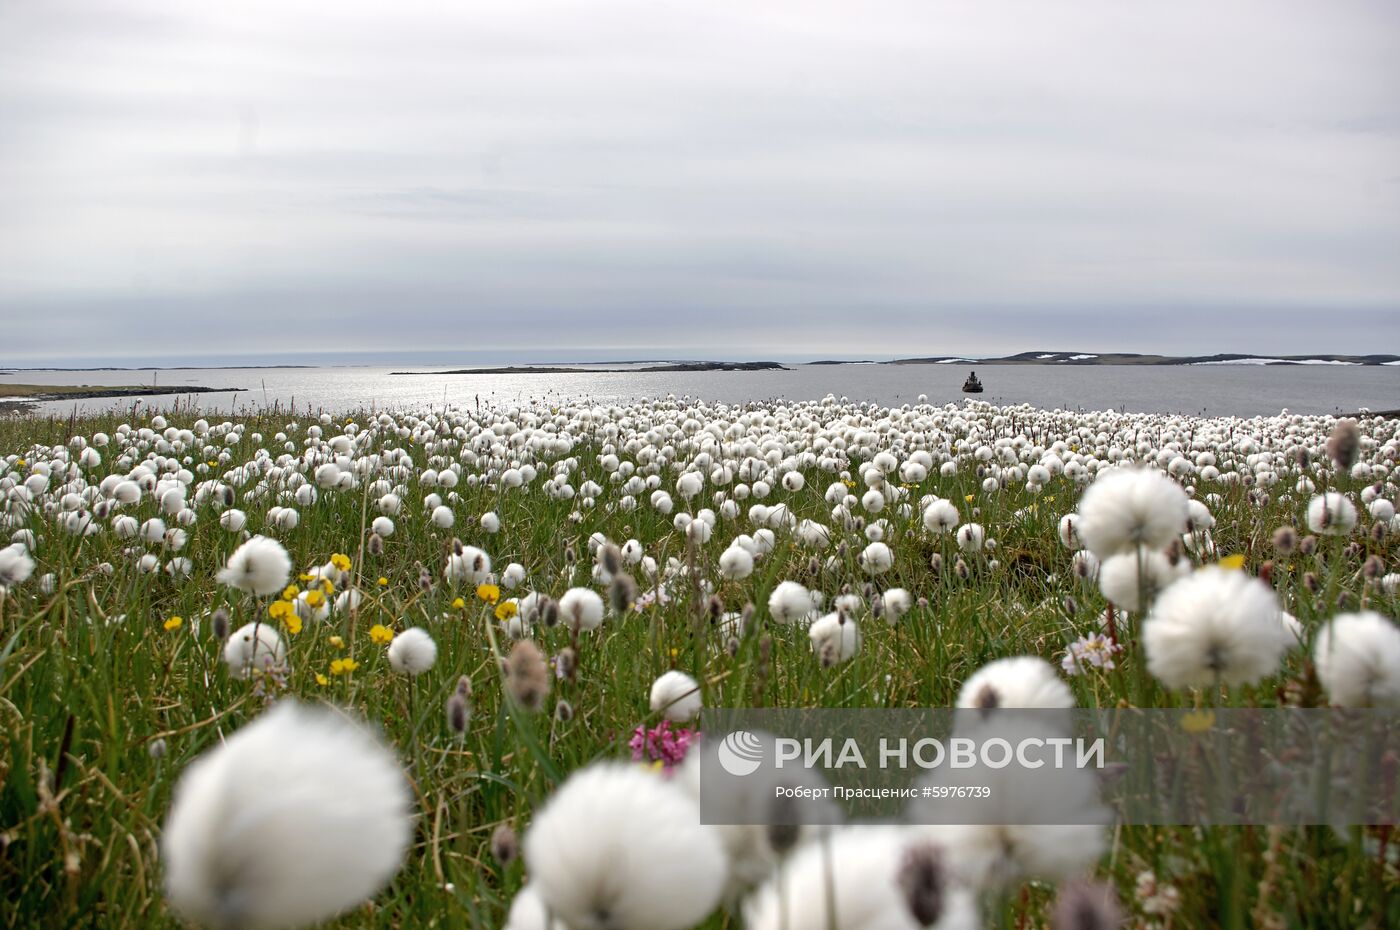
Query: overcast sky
(710, 178)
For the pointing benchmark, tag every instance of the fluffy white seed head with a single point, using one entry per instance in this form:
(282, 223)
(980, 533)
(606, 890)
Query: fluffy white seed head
(617, 848)
(299, 816)
(877, 558)
(1129, 507)
(736, 563)
(940, 517)
(254, 647)
(790, 602)
(1019, 681)
(676, 696)
(581, 608)
(413, 651)
(835, 638)
(1358, 660)
(1133, 581)
(1331, 514)
(1214, 626)
(851, 881)
(260, 566)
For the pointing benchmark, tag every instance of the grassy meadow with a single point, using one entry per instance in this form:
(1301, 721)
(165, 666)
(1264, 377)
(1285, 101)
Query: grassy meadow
(112, 679)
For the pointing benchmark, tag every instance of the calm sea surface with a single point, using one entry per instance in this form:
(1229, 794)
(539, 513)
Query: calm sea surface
(1243, 390)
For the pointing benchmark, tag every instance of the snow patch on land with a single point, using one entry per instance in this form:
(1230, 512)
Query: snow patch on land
(1051, 355)
(1080, 358)
(1277, 361)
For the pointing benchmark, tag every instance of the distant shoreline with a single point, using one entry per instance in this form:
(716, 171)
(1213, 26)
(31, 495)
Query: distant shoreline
(25, 396)
(1053, 359)
(556, 370)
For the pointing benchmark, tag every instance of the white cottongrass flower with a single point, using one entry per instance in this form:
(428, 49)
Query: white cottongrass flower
(581, 608)
(299, 816)
(413, 651)
(1331, 514)
(1129, 507)
(971, 537)
(1069, 531)
(895, 603)
(676, 696)
(876, 559)
(813, 535)
(254, 646)
(940, 517)
(470, 566)
(1215, 626)
(1019, 681)
(153, 530)
(1358, 660)
(15, 567)
(856, 880)
(1085, 566)
(617, 848)
(1132, 581)
(513, 575)
(260, 566)
(835, 638)
(528, 912)
(442, 517)
(789, 603)
(689, 484)
(736, 563)
(1198, 517)
(233, 520)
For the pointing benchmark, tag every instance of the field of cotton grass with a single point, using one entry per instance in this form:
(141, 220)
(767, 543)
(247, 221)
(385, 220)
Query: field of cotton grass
(441, 668)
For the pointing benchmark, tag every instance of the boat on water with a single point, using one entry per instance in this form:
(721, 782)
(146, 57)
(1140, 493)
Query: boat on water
(972, 385)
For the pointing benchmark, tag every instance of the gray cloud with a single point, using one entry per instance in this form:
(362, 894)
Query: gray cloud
(778, 179)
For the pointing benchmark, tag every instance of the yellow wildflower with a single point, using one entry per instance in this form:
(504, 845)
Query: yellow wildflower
(341, 561)
(290, 592)
(293, 623)
(343, 666)
(381, 634)
(315, 598)
(458, 603)
(338, 642)
(328, 586)
(281, 610)
(173, 623)
(1233, 562)
(488, 593)
(383, 582)
(322, 680)
(506, 609)
(968, 498)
